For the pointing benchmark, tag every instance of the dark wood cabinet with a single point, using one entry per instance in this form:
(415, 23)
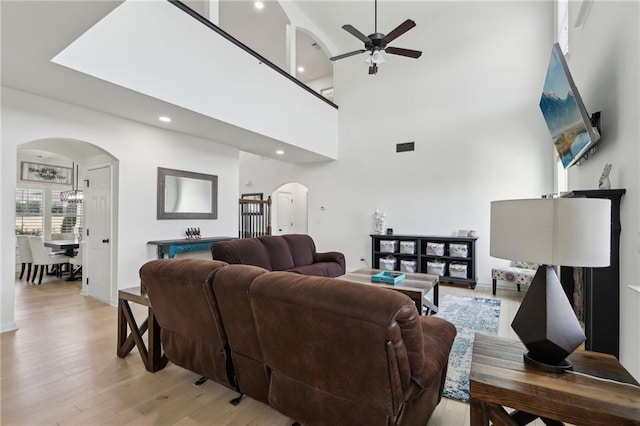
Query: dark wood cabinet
(455, 255)
(600, 286)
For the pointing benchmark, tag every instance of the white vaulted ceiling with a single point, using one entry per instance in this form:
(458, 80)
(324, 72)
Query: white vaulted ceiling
(34, 32)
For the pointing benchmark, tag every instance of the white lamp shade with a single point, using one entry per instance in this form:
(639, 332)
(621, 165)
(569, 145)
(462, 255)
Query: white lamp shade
(552, 231)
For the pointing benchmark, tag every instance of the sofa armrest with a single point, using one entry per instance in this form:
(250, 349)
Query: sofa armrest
(330, 256)
(438, 337)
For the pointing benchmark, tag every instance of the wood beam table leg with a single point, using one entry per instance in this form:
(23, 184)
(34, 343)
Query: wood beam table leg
(151, 354)
(479, 415)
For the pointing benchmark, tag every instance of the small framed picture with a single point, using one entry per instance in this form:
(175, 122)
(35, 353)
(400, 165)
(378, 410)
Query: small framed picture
(35, 172)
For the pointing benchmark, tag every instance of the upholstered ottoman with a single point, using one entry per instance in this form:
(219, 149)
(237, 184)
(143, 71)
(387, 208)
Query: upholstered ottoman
(519, 273)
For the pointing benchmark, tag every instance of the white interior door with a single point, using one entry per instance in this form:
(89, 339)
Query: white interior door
(98, 223)
(285, 213)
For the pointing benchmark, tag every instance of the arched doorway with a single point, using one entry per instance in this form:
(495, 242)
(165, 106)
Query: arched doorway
(290, 209)
(95, 218)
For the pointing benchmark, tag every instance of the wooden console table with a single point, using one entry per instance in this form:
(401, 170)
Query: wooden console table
(598, 392)
(184, 245)
(152, 355)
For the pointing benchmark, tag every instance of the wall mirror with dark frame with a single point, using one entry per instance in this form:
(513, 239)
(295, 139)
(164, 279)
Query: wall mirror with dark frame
(186, 195)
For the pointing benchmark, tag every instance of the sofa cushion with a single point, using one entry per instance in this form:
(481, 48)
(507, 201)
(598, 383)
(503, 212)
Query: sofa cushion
(246, 251)
(302, 248)
(320, 269)
(278, 252)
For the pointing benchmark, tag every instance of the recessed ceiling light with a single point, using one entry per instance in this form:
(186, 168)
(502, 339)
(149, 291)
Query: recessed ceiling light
(300, 69)
(258, 5)
(164, 119)
(280, 152)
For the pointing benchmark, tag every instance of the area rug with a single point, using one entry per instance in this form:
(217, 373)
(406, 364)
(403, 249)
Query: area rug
(469, 315)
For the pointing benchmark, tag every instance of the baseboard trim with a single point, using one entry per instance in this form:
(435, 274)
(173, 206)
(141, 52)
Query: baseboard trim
(10, 326)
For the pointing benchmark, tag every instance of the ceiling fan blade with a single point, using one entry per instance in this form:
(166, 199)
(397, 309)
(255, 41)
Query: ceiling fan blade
(403, 52)
(352, 30)
(399, 30)
(346, 55)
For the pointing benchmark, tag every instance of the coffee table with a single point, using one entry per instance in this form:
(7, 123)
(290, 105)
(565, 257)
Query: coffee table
(415, 285)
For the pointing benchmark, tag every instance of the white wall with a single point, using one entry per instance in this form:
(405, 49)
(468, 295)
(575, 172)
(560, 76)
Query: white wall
(604, 58)
(471, 106)
(140, 149)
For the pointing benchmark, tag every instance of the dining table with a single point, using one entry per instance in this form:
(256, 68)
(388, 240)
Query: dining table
(69, 246)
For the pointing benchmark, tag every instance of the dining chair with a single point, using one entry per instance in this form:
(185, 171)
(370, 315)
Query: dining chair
(42, 258)
(76, 261)
(25, 255)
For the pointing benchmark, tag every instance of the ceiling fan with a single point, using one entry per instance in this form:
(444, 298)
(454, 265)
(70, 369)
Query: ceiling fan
(377, 42)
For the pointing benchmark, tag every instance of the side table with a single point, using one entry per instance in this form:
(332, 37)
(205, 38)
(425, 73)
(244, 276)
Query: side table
(598, 392)
(152, 356)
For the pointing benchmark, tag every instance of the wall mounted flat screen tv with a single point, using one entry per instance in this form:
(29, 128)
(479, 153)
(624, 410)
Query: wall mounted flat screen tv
(572, 130)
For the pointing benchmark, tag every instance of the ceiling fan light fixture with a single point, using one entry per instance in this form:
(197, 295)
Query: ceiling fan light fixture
(377, 58)
(376, 43)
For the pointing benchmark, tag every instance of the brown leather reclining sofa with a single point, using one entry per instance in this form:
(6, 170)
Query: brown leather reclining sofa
(293, 253)
(319, 350)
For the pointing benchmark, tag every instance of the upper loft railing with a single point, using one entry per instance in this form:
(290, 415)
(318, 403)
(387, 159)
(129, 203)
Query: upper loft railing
(247, 49)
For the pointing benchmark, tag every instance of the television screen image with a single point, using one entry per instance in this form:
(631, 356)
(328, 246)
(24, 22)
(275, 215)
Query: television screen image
(565, 114)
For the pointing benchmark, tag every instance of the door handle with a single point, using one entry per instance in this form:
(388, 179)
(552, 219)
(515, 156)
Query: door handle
(106, 241)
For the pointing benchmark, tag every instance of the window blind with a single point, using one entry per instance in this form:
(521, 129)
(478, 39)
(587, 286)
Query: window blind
(29, 211)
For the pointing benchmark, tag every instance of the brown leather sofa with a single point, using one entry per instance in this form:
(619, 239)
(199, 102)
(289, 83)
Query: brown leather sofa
(319, 350)
(292, 252)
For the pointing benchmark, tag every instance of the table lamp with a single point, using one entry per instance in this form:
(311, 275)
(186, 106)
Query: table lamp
(550, 231)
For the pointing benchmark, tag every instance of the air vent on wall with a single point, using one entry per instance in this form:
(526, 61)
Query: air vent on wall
(404, 147)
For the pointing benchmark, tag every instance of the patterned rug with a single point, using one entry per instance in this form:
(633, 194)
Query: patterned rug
(469, 315)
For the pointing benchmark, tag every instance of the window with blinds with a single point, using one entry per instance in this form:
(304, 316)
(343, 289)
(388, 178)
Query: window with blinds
(65, 216)
(29, 211)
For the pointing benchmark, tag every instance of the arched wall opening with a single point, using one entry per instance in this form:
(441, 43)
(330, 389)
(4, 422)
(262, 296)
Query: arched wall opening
(290, 209)
(91, 161)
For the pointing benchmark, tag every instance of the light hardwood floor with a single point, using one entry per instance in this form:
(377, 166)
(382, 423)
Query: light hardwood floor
(60, 367)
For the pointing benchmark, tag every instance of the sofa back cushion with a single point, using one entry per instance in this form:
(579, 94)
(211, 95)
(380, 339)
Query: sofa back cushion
(245, 251)
(302, 249)
(278, 252)
(330, 343)
(231, 288)
(193, 337)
